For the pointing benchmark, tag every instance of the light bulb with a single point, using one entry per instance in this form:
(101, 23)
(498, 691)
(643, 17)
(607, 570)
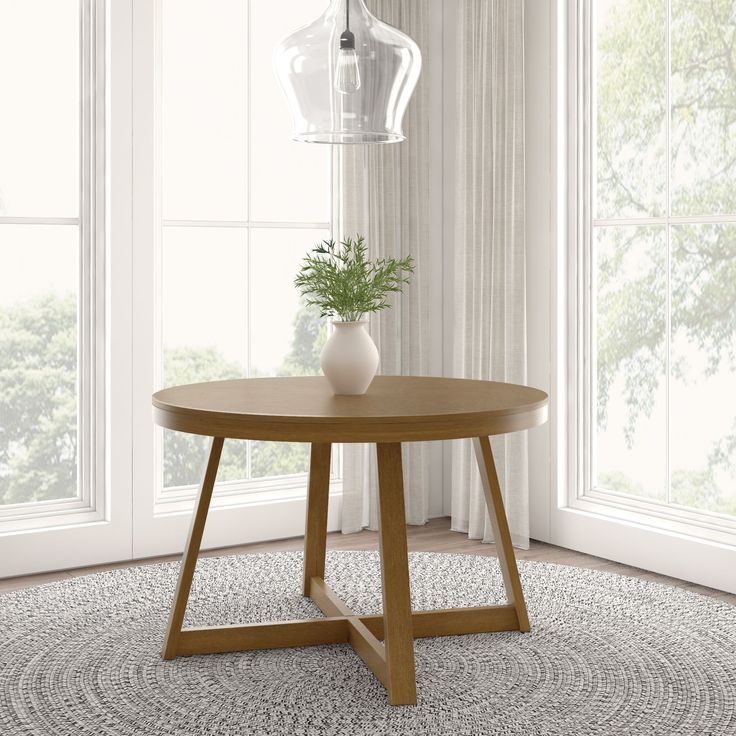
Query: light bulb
(347, 75)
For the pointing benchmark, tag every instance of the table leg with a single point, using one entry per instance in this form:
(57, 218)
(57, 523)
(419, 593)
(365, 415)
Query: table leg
(315, 531)
(397, 616)
(501, 534)
(191, 551)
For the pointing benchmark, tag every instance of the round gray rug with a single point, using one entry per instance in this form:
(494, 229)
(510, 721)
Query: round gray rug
(607, 655)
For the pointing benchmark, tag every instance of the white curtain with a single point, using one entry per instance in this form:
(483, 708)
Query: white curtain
(490, 282)
(386, 197)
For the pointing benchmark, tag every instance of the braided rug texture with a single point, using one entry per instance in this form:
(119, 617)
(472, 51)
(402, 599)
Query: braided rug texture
(607, 655)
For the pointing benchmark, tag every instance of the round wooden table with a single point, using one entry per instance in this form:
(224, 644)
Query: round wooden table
(396, 409)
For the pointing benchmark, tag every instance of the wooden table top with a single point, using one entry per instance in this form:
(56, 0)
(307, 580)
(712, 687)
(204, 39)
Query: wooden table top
(395, 409)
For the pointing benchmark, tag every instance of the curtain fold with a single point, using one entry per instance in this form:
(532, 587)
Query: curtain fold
(386, 197)
(490, 267)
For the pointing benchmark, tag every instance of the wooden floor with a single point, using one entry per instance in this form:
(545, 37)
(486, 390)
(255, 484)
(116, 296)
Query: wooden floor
(435, 536)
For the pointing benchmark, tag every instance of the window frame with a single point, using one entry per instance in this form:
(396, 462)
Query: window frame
(580, 492)
(90, 503)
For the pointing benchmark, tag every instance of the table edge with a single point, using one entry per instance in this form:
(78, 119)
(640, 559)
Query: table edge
(306, 428)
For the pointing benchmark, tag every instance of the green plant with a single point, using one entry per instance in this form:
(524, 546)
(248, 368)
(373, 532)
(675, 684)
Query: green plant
(340, 280)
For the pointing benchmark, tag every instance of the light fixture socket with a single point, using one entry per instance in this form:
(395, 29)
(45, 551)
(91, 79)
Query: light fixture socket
(347, 40)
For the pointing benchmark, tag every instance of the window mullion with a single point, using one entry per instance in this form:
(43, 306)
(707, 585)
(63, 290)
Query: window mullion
(668, 214)
(85, 306)
(39, 221)
(586, 136)
(249, 216)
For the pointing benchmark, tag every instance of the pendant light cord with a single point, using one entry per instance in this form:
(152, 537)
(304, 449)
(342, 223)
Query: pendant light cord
(347, 15)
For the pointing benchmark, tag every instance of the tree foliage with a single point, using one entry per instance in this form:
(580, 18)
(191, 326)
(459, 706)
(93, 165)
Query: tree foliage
(38, 408)
(38, 404)
(185, 455)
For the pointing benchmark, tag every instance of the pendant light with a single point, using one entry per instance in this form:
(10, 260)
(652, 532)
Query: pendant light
(348, 76)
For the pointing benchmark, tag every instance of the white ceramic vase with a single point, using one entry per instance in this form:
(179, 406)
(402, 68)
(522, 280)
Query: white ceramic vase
(349, 358)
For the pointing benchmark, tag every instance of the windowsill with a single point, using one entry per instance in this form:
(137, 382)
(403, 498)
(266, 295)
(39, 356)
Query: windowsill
(241, 494)
(75, 515)
(683, 523)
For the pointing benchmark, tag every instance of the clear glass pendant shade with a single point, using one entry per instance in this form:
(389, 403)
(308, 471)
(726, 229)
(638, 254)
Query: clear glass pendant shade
(348, 76)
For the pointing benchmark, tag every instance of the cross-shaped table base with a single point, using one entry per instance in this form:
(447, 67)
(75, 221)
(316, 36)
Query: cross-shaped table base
(383, 642)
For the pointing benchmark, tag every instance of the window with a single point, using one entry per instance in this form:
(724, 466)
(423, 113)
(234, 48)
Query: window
(51, 262)
(240, 205)
(656, 258)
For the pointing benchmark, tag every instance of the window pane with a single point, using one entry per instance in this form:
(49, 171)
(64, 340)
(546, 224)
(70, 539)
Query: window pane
(286, 336)
(290, 181)
(185, 458)
(38, 362)
(239, 313)
(279, 458)
(630, 104)
(703, 384)
(203, 90)
(630, 269)
(703, 107)
(39, 121)
(203, 301)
